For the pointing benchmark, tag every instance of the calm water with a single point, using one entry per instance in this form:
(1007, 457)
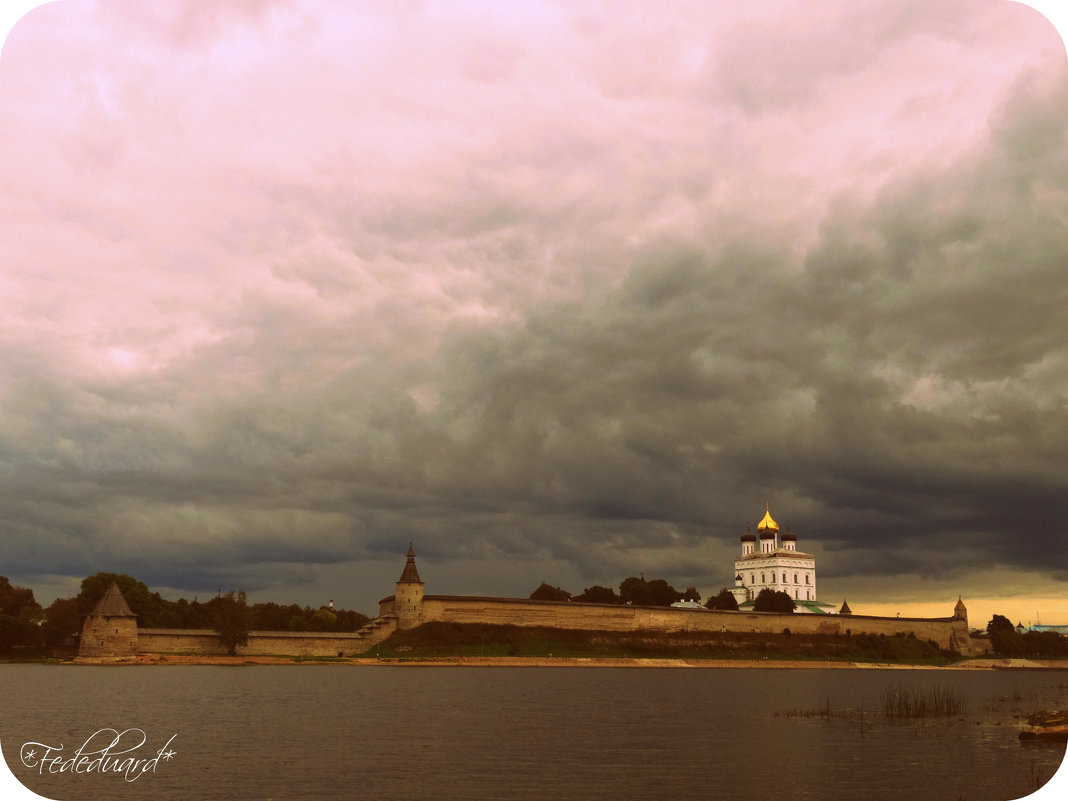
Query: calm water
(320, 732)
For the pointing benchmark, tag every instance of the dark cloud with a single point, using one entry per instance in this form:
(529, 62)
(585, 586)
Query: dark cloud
(574, 341)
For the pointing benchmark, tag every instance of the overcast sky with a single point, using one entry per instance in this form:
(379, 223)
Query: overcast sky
(558, 292)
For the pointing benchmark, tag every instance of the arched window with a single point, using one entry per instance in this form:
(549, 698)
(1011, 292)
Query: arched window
(752, 578)
(806, 578)
(763, 580)
(783, 578)
(796, 595)
(795, 579)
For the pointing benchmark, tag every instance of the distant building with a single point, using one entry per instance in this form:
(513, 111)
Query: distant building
(1046, 627)
(770, 561)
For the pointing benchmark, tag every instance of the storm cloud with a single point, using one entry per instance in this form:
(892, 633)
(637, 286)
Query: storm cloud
(555, 291)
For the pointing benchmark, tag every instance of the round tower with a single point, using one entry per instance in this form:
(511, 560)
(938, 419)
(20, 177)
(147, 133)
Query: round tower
(408, 601)
(748, 541)
(111, 628)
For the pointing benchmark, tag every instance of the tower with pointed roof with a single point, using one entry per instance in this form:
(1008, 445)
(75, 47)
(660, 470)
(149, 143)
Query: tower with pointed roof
(111, 628)
(960, 611)
(408, 603)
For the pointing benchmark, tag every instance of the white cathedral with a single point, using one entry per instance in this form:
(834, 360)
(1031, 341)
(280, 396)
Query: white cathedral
(775, 565)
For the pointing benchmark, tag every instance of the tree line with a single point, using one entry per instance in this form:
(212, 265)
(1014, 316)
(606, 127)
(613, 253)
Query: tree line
(638, 591)
(23, 622)
(1007, 641)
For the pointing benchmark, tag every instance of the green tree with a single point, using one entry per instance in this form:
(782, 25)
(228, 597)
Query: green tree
(547, 592)
(691, 594)
(147, 605)
(231, 619)
(1044, 645)
(638, 591)
(14, 599)
(769, 600)
(1004, 638)
(63, 619)
(323, 619)
(999, 623)
(270, 616)
(348, 620)
(15, 632)
(662, 594)
(598, 595)
(725, 600)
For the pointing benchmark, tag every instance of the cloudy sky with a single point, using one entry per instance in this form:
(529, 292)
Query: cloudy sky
(558, 292)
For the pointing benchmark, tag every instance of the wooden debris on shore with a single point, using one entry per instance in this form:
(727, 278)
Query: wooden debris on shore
(1047, 726)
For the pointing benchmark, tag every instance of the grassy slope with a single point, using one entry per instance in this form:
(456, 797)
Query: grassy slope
(451, 639)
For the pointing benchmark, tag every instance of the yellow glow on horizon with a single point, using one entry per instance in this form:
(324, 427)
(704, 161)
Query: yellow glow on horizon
(1052, 611)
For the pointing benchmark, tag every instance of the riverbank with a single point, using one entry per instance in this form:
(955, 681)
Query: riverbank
(601, 662)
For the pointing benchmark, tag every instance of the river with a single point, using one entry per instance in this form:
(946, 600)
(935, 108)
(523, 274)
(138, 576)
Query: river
(466, 733)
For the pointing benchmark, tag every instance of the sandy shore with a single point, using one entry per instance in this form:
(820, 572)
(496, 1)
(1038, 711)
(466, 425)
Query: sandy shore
(624, 662)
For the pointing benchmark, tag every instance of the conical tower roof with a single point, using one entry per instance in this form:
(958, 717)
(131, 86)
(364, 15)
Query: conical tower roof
(845, 610)
(410, 574)
(112, 604)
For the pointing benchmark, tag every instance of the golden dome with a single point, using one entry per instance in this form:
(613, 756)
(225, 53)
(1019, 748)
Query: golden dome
(767, 524)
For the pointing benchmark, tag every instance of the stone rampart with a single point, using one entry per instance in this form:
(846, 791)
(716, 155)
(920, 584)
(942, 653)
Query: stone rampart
(950, 633)
(260, 643)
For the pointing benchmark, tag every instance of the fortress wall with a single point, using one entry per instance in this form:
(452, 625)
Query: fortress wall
(260, 643)
(947, 632)
(104, 635)
(179, 641)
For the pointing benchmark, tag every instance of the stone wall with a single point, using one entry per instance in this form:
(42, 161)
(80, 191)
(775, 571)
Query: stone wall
(107, 635)
(260, 643)
(948, 632)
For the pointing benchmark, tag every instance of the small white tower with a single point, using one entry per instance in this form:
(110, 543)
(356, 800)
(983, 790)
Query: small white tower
(748, 541)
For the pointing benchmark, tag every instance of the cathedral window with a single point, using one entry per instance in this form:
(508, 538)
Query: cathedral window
(806, 578)
(783, 578)
(763, 580)
(795, 579)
